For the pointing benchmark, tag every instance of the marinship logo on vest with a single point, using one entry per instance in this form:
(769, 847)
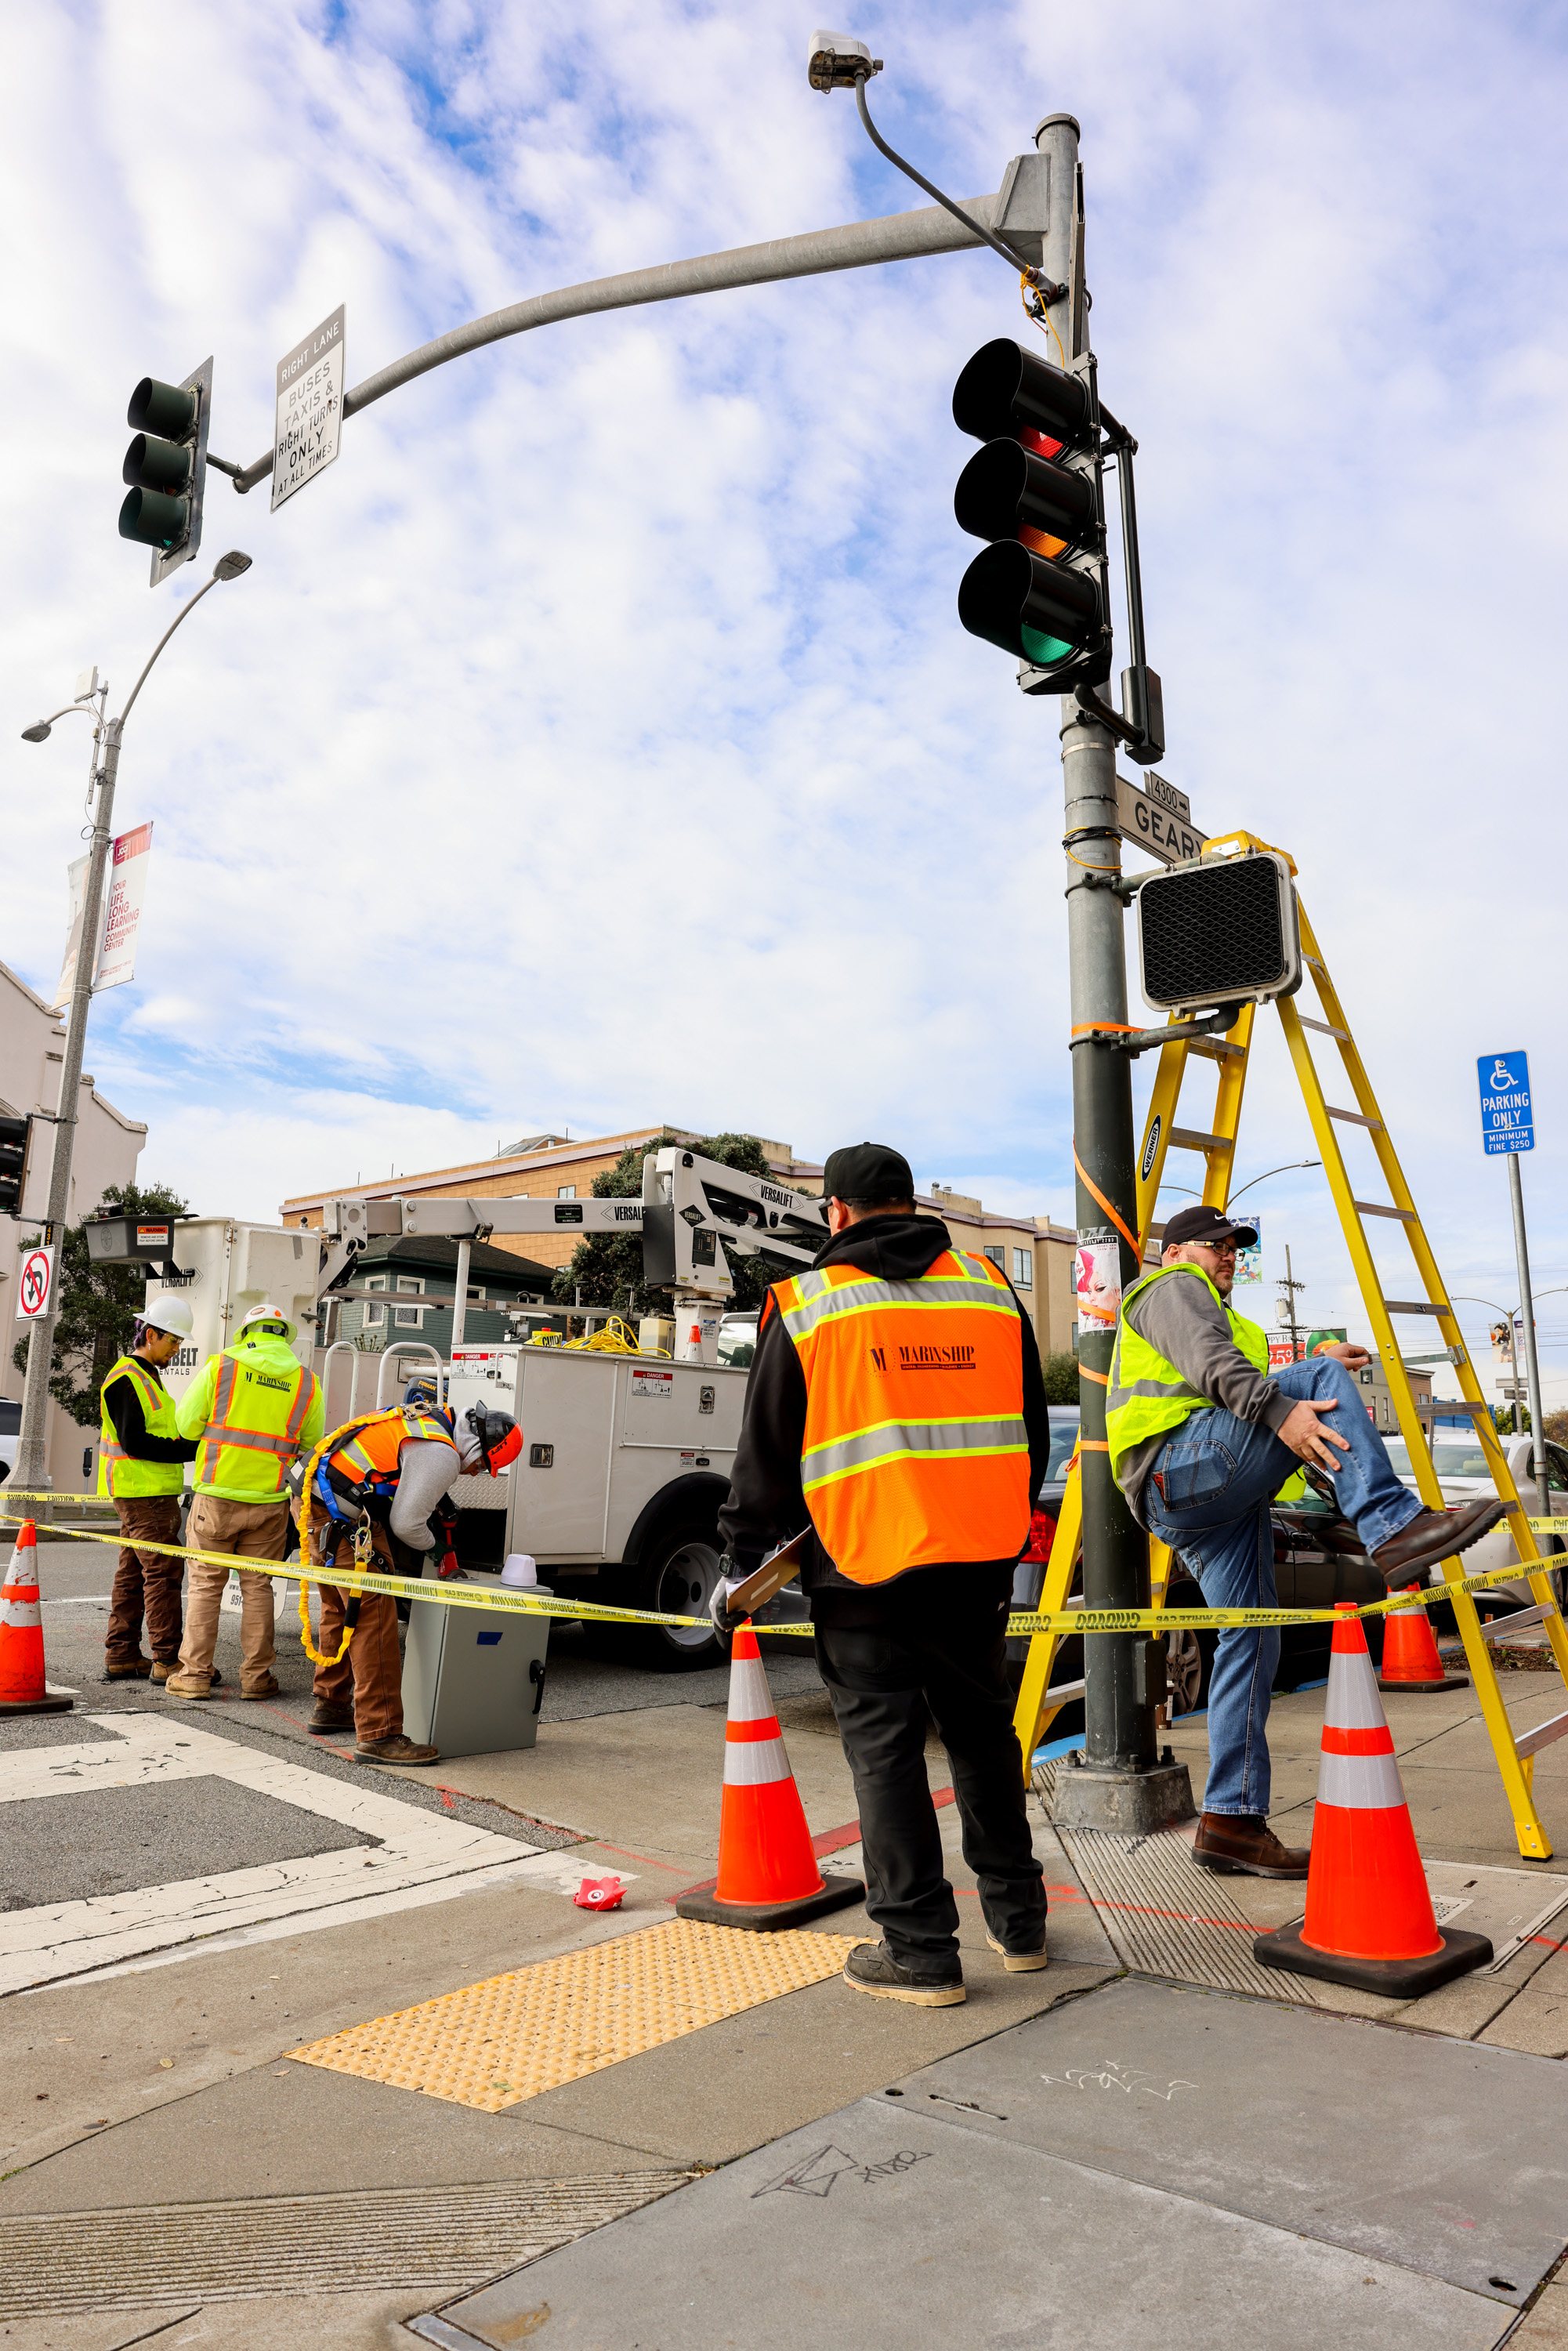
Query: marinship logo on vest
(927, 1359)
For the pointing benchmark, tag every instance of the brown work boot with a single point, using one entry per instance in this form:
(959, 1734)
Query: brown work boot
(1239, 1845)
(1020, 1963)
(268, 1689)
(165, 1668)
(1435, 1535)
(325, 1717)
(395, 1749)
(871, 1967)
(136, 1671)
(179, 1684)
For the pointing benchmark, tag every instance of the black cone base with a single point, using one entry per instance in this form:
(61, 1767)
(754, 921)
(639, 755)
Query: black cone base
(1448, 1681)
(767, 1918)
(37, 1705)
(1395, 1978)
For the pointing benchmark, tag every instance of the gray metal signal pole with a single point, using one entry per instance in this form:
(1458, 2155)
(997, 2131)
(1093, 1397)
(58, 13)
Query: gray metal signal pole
(1122, 1781)
(31, 1473)
(1527, 1308)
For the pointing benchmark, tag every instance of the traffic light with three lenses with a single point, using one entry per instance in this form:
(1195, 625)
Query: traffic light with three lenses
(1034, 491)
(166, 466)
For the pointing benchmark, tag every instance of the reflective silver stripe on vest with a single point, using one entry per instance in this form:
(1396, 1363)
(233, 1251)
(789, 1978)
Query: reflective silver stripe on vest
(753, 1762)
(1360, 1784)
(896, 1440)
(821, 1297)
(1163, 1391)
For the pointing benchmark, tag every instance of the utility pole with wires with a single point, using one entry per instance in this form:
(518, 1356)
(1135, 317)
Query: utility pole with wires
(1287, 1286)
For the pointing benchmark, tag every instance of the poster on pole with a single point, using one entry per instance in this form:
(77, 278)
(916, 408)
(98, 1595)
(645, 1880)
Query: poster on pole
(127, 878)
(1249, 1260)
(309, 408)
(120, 916)
(35, 1284)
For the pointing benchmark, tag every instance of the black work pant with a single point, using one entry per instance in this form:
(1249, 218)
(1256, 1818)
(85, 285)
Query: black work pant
(927, 1648)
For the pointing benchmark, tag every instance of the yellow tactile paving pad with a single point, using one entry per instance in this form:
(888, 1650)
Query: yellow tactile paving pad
(506, 2039)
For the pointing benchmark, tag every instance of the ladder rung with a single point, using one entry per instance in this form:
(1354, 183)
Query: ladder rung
(1324, 1027)
(1187, 1138)
(1376, 1208)
(1453, 1404)
(1355, 1118)
(1317, 964)
(1060, 1692)
(1416, 1306)
(1543, 1735)
(1497, 1628)
(1217, 1049)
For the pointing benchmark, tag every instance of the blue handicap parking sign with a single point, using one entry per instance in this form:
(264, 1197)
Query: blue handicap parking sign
(1508, 1123)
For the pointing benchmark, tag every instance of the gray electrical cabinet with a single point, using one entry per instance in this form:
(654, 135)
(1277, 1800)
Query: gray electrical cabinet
(473, 1680)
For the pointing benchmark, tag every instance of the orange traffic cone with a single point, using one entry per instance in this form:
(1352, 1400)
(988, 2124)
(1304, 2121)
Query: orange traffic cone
(1369, 1917)
(22, 1689)
(1410, 1658)
(767, 1874)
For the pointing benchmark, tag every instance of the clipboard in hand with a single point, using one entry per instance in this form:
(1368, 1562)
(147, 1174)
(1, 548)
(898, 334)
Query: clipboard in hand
(771, 1577)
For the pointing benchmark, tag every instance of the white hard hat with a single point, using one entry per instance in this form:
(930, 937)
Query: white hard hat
(267, 1314)
(167, 1313)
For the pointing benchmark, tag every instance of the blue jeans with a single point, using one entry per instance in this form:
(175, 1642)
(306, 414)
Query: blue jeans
(1216, 1477)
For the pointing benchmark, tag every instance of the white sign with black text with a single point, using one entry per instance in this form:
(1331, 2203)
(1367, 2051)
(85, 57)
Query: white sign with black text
(1157, 818)
(309, 408)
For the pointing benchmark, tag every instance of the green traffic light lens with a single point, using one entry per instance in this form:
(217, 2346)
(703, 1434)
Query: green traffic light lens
(154, 520)
(1043, 651)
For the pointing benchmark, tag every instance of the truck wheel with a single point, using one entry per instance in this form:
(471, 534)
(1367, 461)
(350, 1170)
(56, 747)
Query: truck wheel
(679, 1579)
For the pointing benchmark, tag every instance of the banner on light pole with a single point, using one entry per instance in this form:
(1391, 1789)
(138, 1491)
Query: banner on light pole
(119, 917)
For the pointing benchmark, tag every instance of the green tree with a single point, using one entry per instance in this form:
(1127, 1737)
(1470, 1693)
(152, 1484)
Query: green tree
(1060, 1375)
(1502, 1419)
(98, 1305)
(607, 1267)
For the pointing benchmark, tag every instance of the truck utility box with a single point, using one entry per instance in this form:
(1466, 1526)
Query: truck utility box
(226, 1267)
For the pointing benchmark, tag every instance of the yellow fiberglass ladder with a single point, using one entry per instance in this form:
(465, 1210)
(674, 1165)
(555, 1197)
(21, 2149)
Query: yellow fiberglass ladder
(1216, 1146)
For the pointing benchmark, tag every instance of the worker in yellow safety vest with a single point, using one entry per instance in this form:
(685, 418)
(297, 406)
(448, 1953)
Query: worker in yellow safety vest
(895, 1402)
(141, 1459)
(253, 1408)
(1201, 1433)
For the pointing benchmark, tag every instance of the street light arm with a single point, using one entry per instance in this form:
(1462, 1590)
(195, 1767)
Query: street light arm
(183, 615)
(1285, 1170)
(1043, 285)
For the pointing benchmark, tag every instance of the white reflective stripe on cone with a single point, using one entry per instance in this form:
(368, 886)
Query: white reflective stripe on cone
(1353, 1703)
(1361, 1783)
(15, 1610)
(750, 1699)
(753, 1762)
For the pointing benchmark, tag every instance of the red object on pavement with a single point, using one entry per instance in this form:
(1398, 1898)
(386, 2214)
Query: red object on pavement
(22, 1689)
(599, 1893)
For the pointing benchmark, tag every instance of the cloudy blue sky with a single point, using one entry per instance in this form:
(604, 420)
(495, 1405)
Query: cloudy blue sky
(597, 742)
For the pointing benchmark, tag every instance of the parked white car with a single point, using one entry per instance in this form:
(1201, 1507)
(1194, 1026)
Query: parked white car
(10, 1435)
(1463, 1476)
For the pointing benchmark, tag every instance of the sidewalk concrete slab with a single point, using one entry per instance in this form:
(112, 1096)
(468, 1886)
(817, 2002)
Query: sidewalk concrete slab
(878, 2229)
(1418, 2150)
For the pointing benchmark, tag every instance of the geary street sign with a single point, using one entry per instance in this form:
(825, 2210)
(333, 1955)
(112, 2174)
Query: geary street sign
(1507, 1122)
(309, 408)
(1157, 818)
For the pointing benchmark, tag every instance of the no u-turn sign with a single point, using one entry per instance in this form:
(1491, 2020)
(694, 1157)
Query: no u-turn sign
(35, 1284)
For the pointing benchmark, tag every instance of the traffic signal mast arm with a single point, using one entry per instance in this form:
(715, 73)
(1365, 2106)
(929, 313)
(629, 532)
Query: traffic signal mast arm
(688, 1204)
(858, 244)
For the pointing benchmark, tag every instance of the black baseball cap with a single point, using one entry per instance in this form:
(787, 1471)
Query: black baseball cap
(1207, 1225)
(867, 1171)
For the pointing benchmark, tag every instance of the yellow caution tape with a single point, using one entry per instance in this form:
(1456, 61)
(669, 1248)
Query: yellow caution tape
(1547, 1526)
(521, 1601)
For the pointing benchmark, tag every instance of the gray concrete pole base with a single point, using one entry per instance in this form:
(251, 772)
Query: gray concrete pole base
(1128, 1802)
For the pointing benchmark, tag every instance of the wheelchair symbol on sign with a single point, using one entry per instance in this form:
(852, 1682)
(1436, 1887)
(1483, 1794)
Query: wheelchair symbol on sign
(1501, 1076)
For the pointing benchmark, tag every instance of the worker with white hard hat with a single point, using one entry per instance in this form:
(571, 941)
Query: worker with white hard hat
(253, 1408)
(141, 1459)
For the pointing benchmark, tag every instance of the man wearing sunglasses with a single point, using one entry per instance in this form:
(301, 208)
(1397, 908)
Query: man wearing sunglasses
(1202, 1436)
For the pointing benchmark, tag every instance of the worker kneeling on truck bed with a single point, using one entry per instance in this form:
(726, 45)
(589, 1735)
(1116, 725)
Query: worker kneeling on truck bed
(396, 1469)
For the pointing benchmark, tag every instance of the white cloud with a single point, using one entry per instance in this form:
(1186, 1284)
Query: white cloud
(597, 738)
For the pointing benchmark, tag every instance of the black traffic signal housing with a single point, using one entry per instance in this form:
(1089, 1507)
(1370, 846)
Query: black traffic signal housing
(16, 1134)
(1040, 588)
(166, 468)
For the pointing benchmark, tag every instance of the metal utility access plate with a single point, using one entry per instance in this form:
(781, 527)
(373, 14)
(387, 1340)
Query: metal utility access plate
(1111, 2198)
(1511, 1905)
